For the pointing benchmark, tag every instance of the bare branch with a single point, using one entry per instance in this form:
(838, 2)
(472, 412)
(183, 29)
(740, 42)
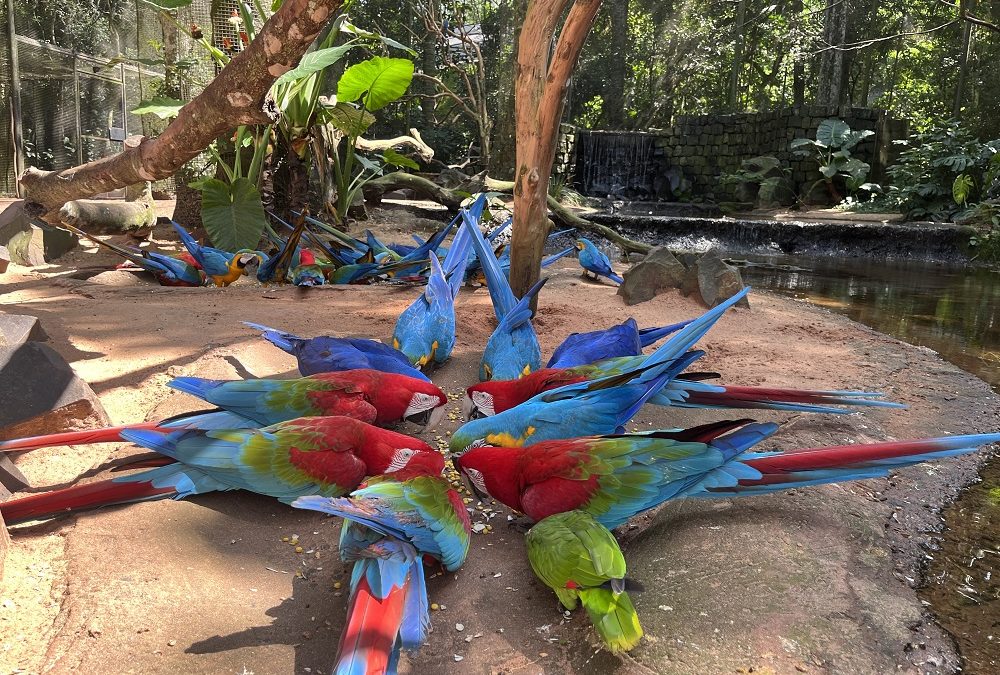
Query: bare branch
(853, 46)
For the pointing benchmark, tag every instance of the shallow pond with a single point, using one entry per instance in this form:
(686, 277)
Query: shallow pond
(954, 311)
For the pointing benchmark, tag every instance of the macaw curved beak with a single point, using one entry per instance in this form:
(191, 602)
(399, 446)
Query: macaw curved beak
(467, 407)
(427, 418)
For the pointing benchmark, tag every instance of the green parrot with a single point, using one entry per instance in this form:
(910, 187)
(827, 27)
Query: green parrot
(577, 557)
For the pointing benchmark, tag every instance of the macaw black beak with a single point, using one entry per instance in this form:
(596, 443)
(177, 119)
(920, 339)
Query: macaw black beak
(480, 495)
(476, 414)
(421, 419)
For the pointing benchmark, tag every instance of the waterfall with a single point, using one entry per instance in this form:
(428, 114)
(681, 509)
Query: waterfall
(619, 165)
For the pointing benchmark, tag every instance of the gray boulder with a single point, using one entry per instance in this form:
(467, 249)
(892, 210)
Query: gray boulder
(657, 272)
(16, 329)
(718, 280)
(29, 245)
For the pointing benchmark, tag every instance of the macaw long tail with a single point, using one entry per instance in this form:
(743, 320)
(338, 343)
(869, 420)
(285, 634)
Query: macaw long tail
(278, 338)
(105, 435)
(614, 618)
(797, 400)
(174, 482)
(615, 278)
(781, 471)
(368, 644)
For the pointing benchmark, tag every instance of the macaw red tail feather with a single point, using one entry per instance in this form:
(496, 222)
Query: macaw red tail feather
(106, 435)
(801, 400)
(366, 645)
(815, 466)
(79, 497)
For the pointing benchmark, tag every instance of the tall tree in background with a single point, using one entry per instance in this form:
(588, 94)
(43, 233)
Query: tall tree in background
(507, 33)
(613, 107)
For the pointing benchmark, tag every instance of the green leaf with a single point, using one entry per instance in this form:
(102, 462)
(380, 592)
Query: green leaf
(392, 157)
(801, 142)
(828, 170)
(961, 188)
(161, 106)
(233, 215)
(350, 28)
(377, 81)
(167, 5)
(832, 132)
(368, 165)
(346, 118)
(313, 62)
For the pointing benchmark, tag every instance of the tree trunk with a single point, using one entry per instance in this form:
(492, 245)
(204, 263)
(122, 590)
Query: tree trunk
(613, 107)
(238, 95)
(833, 62)
(965, 8)
(733, 101)
(504, 135)
(540, 92)
(428, 66)
(798, 68)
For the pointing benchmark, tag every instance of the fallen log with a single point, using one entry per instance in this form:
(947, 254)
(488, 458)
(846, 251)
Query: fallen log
(428, 189)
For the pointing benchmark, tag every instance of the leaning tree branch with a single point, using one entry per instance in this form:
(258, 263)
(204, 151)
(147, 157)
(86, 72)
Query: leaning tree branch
(964, 14)
(414, 141)
(238, 95)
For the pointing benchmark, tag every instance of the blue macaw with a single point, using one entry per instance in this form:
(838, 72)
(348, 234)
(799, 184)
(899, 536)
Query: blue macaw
(325, 354)
(221, 267)
(512, 350)
(595, 407)
(390, 524)
(425, 331)
(625, 339)
(593, 260)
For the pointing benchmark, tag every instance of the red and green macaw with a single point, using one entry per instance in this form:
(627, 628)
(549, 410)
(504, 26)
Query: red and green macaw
(613, 478)
(580, 560)
(390, 524)
(685, 391)
(602, 406)
(368, 395)
(313, 455)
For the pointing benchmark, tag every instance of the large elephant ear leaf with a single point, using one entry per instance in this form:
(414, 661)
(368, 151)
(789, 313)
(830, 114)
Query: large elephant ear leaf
(346, 118)
(832, 132)
(232, 214)
(376, 82)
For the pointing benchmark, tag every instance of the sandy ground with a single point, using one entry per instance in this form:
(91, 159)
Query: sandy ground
(817, 580)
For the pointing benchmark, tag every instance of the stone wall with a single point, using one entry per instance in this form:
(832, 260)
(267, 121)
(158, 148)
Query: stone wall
(700, 148)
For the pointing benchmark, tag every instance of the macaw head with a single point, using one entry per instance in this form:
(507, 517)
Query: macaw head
(401, 397)
(248, 260)
(491, 473)
(489, 398)
(414, 461)
(580, 244)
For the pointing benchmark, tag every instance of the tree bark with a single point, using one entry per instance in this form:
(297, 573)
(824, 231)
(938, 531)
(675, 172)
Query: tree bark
(799, 67)
(833, 62)
(965, 8)
(613, 107)
(540, 92)
(733, 100)
(238, 95)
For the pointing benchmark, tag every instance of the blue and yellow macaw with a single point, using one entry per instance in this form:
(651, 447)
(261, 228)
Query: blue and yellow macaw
(625, 339)
(425, 331)
(220, 267)
(593, 260)
(512, 350)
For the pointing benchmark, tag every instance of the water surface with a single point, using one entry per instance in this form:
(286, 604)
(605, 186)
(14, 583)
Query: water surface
(954, 311)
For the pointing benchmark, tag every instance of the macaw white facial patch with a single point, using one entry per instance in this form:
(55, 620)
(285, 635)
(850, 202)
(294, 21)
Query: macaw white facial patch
(476, 477)
(484, 402)
(400, 459)
(421, 403)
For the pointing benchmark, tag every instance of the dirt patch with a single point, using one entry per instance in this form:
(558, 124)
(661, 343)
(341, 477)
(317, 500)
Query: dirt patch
(816, 580)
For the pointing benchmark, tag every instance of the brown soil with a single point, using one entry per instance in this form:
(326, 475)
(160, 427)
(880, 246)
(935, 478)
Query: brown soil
(817, 580)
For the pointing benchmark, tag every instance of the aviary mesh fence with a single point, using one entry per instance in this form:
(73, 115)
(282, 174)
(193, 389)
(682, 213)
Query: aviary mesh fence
(71, 72)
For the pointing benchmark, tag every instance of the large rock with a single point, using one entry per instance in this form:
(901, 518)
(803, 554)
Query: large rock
(38, 386)
(29, 245)
(16, 329)
(718, 280)
(659, 271)
(4, 259)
